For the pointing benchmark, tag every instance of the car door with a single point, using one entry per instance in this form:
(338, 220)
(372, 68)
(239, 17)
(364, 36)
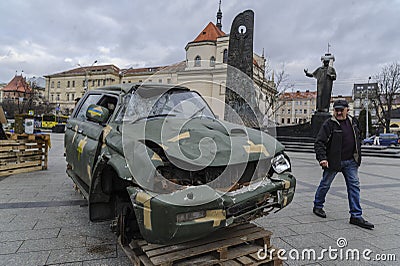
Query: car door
(83, 137)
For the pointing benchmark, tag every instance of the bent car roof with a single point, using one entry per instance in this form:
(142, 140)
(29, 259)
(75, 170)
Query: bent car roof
(148, 89)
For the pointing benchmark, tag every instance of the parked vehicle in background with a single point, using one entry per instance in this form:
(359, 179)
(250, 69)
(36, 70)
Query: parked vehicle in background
(386, 139)
(54, 122)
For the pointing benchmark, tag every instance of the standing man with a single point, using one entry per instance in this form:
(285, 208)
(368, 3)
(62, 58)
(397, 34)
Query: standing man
(338, 149)
(325, 76)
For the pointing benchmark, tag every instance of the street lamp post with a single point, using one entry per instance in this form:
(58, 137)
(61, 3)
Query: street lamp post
(367, 123)
(86, 88)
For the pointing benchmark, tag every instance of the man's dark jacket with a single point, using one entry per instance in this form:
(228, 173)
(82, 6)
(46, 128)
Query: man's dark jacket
(328, 144)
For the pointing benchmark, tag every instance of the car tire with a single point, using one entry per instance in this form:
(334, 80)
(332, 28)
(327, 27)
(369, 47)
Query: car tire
(127, 228)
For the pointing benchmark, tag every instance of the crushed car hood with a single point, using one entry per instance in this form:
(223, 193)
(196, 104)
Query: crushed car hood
(202, 141)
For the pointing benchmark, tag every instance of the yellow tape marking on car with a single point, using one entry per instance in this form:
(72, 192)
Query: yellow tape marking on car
(81, 145)
(89, 171)
(144, 198)
(180, 136)
(96, 111)
(213, 215)
(156, 157)
(106, 131)
(286, 184)
(284, 201)
(255, 148)
(76, 132)
(163, 147)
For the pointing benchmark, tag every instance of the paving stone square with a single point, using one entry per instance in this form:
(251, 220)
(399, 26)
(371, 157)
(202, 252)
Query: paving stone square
(44, 221)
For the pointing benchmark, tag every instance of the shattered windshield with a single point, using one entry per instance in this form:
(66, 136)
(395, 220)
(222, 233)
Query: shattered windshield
(181, 104)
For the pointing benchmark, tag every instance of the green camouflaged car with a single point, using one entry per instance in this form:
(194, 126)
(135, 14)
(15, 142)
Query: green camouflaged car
(154, 159)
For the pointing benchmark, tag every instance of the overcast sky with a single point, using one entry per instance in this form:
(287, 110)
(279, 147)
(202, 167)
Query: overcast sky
(43, 37)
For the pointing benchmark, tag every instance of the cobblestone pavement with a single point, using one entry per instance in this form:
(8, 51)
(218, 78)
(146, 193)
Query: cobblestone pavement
(43, 221)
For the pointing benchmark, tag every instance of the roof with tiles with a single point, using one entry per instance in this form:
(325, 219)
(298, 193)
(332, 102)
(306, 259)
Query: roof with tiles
(159, 69)
(171, 68)
(210, 33)
(89, 69)
(298, 95)
(17, 84)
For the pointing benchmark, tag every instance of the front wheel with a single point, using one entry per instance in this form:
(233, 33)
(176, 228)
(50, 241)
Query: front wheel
(127, 227)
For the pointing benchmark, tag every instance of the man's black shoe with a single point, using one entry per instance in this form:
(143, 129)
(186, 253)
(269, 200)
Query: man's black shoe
(319, 212)
(359, 221)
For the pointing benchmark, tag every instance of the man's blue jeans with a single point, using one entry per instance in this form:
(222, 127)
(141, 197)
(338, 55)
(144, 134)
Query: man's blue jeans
(350, 173)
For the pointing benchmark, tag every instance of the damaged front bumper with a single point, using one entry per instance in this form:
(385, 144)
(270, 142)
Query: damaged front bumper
(197, 211)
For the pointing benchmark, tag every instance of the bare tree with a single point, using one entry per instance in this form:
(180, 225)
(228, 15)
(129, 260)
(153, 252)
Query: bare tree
(281, 78)
(387, 90)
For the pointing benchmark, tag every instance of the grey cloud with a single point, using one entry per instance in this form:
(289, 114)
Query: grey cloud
(41, 34)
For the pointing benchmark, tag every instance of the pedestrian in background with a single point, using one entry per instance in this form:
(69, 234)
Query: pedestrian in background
(376, 140)
(338, 149)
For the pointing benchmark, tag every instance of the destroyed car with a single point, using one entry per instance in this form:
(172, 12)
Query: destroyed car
(155, 160)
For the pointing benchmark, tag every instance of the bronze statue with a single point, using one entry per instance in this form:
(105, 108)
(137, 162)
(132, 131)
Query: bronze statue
(325, 76)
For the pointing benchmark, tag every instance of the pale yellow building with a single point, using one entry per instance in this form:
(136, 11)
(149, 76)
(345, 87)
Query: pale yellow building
(203, 70)
(296, 107)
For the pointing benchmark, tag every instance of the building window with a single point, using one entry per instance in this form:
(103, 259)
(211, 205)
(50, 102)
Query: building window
(288, 111)
(98, 82)
(140, 80)
(68, 84)
(212, 61)
(288, 120)
(52, 84)
(169, 81)
(225, 56)
(58, 84)
(73, 84)
(160, 81)
(305, 111)
(197, 61)
(52, 97)
(283, 120)
(83, 83)
(93, 83)
(104, 82)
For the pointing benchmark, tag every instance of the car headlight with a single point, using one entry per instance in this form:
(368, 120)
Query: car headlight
(190, 216)
(280, 164)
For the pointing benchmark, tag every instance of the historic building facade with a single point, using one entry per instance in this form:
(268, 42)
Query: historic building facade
(203, 70)
(296, 107)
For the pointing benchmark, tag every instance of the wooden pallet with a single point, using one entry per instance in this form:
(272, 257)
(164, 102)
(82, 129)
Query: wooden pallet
(232, 246)
(22, 153)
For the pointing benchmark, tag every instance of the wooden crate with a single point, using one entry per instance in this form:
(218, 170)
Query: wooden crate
(233, 246)
(23, 153)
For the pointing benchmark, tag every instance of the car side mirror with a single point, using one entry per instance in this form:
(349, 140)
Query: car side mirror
(97, 113)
